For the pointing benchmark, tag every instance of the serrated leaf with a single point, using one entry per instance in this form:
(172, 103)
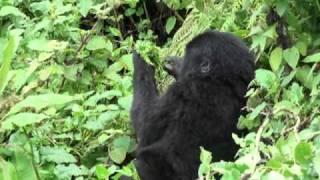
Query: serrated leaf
(291, 56)
(257, 111)
(275, 59)
(171, 22)
(39, 102)
(21, 120)
(265, 78)
(84, 7)
(312, 58)
(69, 171)
(10, 10)
(57, 155)
(97, 42)
(303, 153)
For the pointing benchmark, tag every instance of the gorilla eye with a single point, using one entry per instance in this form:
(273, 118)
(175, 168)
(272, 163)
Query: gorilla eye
(205, 66)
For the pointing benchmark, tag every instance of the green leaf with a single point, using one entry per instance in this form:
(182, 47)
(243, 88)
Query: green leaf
(8, 54)
(257, 111)
(291, 56)
(302, 48)
(107, 116)
(24, 166)
(46, 45)
(316, 163)
(127, 60)
(275, 59)
(312, 58)
(7, 170)
(69, 171)
(125, 102)
(281, 6)
(84, 7)
(265, 78)
(39, 102)
(117, 155)
(101, 172)
(57, 155)
(97, 42)
(273, 175)
(205, 156)
(10, 10)
(171, 22)
(21, 120)
(303, 153)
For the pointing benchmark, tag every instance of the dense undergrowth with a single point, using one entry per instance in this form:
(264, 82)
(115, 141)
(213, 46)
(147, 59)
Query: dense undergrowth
(65, 84)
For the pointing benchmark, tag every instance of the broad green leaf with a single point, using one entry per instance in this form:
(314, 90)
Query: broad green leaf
(107, 116)
(127, 60)
(291, 56)
(273, 175)
(7, 170)
(171, 22)
(97, 42)
(101, 171)
(275, 59)
(125, 102)
(57, 155)
(46, 45)
(21, 120)
(304, 75)
(312, 58)
(117, 155)
(84, 7)
(68, 171)
(303, 153)
(42, 6)
(302, 48)
(10, 10)
(115, 31)
(265, 78)
(124, 142)
(8, 54)
(281, 6)
(39, 102)
(24, 166)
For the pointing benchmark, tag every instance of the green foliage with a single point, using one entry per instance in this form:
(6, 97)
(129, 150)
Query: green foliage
(65, 85)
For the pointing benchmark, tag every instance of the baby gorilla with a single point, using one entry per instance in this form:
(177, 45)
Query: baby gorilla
(200, 109)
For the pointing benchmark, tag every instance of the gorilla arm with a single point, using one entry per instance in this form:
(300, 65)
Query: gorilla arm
(144, 90)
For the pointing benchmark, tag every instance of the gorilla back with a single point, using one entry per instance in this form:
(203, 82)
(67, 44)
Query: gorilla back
(200, 109)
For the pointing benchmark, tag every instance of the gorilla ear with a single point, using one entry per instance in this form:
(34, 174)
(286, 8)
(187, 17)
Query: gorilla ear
(205, 66)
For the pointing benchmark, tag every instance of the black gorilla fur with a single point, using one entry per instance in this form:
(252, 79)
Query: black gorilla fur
(200, 109)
